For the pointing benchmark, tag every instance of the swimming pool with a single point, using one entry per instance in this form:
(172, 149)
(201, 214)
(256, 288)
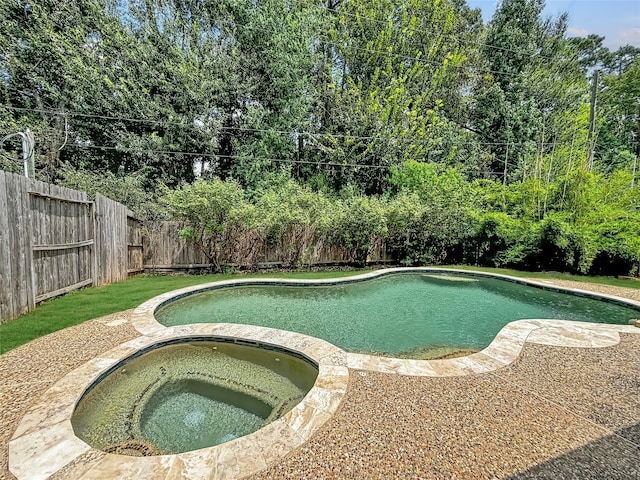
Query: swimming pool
(413, 314)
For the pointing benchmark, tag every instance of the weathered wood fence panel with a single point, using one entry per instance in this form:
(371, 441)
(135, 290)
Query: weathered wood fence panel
(62, 240)
(54, 240)
(135, 253)
(45, 240)
(165, 250)
(112, 240)
(16, 288)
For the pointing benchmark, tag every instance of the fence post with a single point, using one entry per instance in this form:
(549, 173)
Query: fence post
(29, 239)
(94, 247)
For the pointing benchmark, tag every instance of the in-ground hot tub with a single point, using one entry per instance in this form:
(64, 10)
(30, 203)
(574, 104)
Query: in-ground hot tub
(190, 393)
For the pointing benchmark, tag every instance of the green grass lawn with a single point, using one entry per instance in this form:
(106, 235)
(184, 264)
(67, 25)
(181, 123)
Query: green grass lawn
(94, 302)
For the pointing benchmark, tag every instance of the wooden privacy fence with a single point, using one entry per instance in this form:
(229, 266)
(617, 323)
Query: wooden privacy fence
(164, 251)
(54, 240)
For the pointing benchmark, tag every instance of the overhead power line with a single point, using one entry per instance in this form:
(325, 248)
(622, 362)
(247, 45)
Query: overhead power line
(235, 157)
(291, 133)
(214, 156)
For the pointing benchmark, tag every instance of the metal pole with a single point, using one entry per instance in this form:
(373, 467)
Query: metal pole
(25, 153)
(29, 153)
(28, 150)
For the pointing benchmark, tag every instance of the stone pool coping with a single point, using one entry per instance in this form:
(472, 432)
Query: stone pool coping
(44, 442)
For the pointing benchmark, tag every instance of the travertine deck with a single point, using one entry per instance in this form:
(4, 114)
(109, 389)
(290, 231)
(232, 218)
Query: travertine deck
(565, 411)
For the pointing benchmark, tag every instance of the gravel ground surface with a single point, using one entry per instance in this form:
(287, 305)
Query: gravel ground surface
(555, 413)
(27, 371)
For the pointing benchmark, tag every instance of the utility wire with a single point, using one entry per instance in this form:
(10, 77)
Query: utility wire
(242, 157)
(258, 130)
(236, 157)
(436, 63)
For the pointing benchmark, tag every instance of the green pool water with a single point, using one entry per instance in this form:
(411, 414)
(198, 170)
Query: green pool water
(190, 414)
(418, 315)
(190, 395)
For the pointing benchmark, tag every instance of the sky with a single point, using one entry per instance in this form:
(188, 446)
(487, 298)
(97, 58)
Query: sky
(616, 20)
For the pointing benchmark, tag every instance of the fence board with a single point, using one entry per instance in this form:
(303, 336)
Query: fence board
(7, 306)
(135, 257)
(19, 243)
(62, 246)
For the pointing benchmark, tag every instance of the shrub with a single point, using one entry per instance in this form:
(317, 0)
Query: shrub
(616, 247)
(357, 222)
(423, 233)
(295, 220)
(551, 245)
(429, 218)
(219, 219)
(493, 234)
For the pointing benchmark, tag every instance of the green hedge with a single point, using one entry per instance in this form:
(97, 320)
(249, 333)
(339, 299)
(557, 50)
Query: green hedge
(431, 215)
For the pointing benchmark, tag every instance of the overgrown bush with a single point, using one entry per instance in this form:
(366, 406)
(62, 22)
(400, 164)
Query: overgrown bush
(358, 220)
(220, 221)
(434, 217)
(296, 221)
(493, 234)
(616, 247)
(549, 245)
(126, 189)
(424, 233)
(430, 217)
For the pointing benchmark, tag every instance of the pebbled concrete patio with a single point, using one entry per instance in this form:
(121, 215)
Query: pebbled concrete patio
(555, 412)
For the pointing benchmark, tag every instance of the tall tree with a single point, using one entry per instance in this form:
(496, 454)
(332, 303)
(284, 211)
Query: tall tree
(532, 77)
(47, 49)
(279, 55)
(394, 67)
(618, 145)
